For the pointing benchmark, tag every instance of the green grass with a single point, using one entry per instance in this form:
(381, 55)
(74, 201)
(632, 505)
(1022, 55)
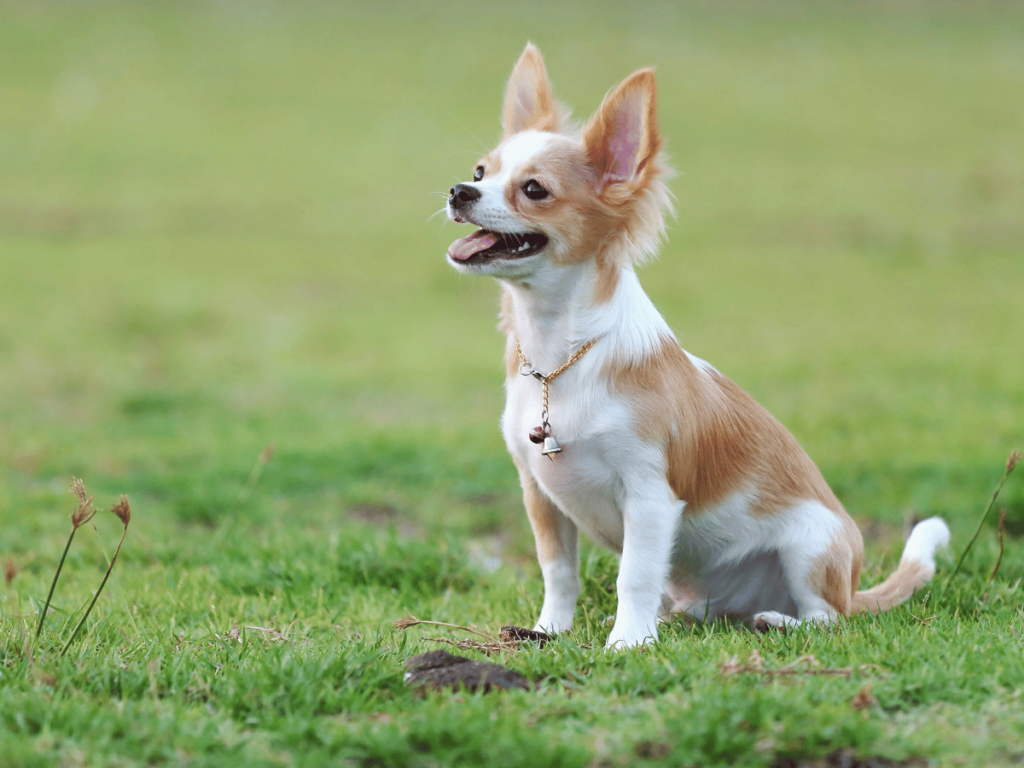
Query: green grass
(216, 234)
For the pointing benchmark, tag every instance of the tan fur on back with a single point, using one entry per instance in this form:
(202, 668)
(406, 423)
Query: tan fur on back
(718, 438)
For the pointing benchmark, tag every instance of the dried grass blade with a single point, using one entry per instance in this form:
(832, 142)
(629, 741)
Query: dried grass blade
(412, 621)
(1002, 532)
(1011, 464)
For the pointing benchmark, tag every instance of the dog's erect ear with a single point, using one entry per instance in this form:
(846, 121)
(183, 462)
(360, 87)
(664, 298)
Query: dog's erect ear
(622, 137)
(529, 102)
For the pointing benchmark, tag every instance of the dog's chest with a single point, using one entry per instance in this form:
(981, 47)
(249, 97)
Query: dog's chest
(583, 479)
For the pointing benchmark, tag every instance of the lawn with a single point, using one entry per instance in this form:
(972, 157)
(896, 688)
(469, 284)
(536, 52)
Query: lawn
(223, 293)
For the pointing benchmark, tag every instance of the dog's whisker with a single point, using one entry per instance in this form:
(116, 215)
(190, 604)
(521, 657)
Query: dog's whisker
(484, 149)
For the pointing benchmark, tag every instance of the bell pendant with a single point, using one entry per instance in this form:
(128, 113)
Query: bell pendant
(550, 446)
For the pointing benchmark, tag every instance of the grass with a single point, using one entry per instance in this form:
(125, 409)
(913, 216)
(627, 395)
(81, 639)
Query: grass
(216, 236)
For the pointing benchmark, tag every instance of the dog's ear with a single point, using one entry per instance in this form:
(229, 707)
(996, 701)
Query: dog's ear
(622, 138)
(529, 102)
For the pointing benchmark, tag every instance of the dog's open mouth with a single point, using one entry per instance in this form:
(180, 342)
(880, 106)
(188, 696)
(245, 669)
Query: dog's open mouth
(485, 244)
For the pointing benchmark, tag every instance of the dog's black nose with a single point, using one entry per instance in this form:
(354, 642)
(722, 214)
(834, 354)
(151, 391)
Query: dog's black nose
(461, 194)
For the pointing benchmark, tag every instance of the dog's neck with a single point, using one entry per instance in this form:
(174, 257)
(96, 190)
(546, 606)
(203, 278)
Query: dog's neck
(556, 311)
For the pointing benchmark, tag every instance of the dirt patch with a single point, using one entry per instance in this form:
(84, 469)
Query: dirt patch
(384, 515)
(441, 670)
(847, 758)
(373, 513)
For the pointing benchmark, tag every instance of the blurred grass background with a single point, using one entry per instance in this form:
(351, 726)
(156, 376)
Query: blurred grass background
(217, 233)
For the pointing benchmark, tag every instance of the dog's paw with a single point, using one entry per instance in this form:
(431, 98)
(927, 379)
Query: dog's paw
(620, 640)
(768, 621)
(552, 628)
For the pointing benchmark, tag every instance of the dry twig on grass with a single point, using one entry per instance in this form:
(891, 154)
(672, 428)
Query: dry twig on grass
(509, 637)
(412, 621)
(273, 634)
(755, 665)
(472, 645)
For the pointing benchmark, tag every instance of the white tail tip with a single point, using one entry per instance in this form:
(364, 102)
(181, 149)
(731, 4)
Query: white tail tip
(927, 537)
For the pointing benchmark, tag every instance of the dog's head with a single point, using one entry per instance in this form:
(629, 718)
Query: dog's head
(548, 195)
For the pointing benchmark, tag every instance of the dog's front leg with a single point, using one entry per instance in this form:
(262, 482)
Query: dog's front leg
(558, 553)
(650, 520)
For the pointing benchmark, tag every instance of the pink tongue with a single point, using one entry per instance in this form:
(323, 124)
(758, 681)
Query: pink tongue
(465, 247)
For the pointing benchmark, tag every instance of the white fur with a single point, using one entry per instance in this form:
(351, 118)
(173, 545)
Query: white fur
(729, 552)
(608, 482)
(927, 537)
(555, 316)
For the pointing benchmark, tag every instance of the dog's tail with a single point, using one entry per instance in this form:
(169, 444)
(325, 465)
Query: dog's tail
(916, 567)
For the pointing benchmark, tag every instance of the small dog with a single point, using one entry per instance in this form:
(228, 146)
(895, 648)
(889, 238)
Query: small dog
(713, 506)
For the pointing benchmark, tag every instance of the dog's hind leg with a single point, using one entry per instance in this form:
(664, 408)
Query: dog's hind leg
(819, 585)
(769, 620)
(812, 607)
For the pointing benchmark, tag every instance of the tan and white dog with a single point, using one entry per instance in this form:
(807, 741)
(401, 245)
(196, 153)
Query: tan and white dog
(713, 506)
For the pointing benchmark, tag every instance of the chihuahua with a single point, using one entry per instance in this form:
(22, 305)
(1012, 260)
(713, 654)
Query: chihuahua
(713, 507)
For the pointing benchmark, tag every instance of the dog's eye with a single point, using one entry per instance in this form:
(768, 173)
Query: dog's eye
(534, 191)
(478, 173)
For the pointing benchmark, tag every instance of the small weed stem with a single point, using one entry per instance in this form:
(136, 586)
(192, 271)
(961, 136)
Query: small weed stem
(1011, 464)
(1002, 530)
(82, 515)
(261, 461)
(53, 586)
(123, 513)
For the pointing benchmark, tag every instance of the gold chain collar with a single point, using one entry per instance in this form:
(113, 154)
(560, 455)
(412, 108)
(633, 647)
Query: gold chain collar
(542, 434)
